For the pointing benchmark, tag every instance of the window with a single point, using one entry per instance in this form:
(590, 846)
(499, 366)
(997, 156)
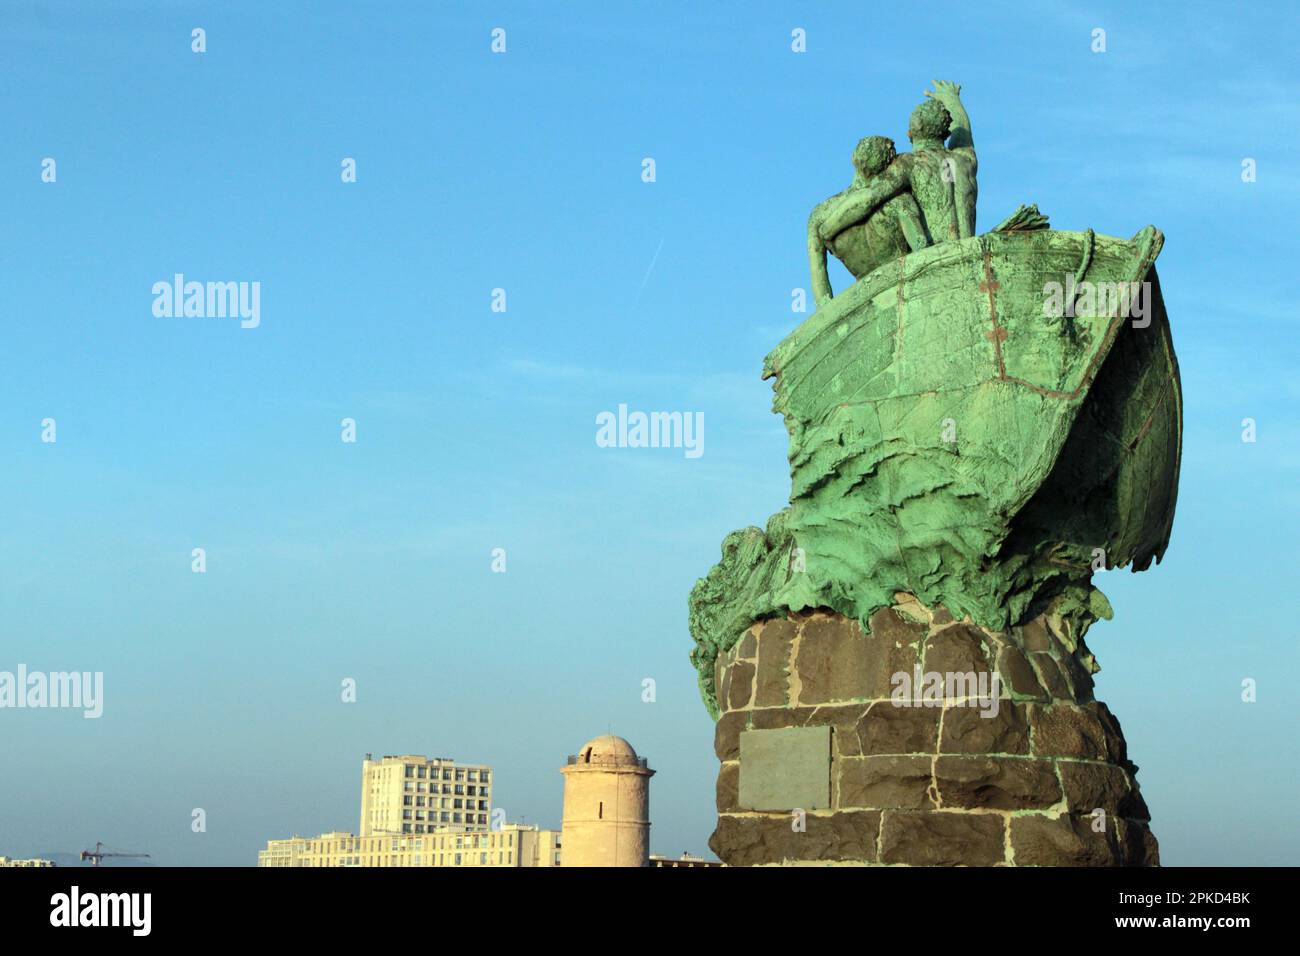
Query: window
(600, 812)
(410, 771)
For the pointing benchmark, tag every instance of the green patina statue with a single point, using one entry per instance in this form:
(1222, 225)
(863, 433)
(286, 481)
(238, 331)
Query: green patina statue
(898, 204)
(893, 230)
(974, 421)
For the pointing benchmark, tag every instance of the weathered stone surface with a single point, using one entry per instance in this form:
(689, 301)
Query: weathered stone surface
(839, 715)
(756, 839)
(966, 730)
(774, 663)
(771, 718)
(1019, 677)
(1065, 730)
(832, 660)
(1088, 786)
(1034, 636)
(952, 779)
(909, 609)
(919, 838)
(1115, 736)
(745, 647)
(836, 661)
(1068, 840)
(1079, 679)
(728, 788)
(957, 649)
(785, 769)
(1137, 844)
(741, 682)
(887, 729)
(724, 681)
(845, 742)
(1050, 676)
(726, 735)
(883, 782)
(996, 783)
(889, 627)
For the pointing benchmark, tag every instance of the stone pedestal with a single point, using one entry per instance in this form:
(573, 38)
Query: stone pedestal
(1011, 763)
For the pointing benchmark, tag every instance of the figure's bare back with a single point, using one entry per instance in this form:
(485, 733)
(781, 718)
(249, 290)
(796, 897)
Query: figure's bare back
(943, 182)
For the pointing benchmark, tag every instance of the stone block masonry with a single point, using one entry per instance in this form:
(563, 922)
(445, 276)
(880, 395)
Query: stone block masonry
(1038, 775)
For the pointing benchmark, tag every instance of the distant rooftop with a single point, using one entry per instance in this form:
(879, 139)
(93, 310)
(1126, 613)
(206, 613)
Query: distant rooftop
(420, 758)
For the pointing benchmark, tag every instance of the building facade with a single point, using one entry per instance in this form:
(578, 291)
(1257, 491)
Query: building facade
(686, 859)
(513, 845)
(411, 794)
(8, 862)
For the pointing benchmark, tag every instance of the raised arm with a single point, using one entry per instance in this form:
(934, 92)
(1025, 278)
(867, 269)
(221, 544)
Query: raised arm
(857, 204)
(821, 279)
(949, 94)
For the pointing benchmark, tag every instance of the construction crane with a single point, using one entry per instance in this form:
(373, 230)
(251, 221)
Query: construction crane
(97, 855)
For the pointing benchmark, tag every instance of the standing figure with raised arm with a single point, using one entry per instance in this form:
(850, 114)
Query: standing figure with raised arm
(941, 177)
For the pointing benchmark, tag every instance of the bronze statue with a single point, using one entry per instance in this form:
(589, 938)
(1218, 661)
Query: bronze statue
(937, 178)
(894, 229)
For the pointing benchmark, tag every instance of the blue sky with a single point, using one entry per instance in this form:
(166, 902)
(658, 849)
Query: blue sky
(476, 429)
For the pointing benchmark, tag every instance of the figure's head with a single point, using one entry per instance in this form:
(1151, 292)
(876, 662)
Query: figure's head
(873, 154)
(930, 121)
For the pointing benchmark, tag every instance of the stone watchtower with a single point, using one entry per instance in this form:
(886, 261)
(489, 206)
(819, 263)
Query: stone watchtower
(606, 805)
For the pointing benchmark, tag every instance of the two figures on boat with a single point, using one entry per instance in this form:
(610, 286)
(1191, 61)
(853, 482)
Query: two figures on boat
(899, 203)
